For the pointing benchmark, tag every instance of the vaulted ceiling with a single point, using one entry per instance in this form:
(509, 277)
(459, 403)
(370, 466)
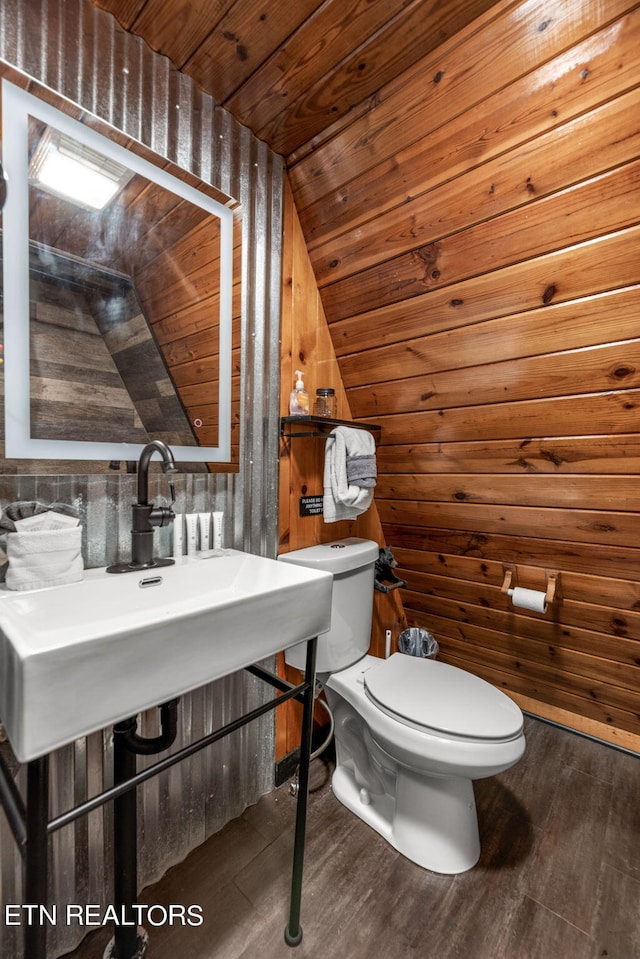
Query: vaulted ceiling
(291, 69)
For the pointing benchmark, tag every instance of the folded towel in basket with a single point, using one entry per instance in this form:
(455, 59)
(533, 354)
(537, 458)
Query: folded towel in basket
(26, 509)
(42, 558)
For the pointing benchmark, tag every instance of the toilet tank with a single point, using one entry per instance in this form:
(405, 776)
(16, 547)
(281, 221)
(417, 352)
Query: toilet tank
(352, 562)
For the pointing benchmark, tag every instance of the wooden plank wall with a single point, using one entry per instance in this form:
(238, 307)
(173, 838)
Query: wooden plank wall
(182, 272)
(306, 345)
(287, 70)
(76, 389)
(474, 235)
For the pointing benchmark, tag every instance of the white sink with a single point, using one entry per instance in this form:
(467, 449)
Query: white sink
(77, 658)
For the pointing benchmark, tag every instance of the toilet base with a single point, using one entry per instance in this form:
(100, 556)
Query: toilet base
(430, 820)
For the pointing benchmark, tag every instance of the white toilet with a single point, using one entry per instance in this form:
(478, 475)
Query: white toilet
(411, 734)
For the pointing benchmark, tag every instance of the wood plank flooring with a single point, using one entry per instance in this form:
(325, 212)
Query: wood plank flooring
(558, 878)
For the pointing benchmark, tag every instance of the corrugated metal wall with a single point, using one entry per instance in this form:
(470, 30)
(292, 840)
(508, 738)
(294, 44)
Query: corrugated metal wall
(82, 53)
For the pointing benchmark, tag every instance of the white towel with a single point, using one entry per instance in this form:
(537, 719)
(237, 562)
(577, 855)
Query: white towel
(342, 500)
(42, 558)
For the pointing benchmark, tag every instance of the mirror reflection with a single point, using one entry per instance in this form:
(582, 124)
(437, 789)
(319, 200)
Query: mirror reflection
(128, 273)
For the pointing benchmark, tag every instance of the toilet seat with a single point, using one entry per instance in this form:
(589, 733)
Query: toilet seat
(434, 697)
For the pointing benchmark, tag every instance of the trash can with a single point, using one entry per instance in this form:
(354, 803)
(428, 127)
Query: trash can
(418, 642)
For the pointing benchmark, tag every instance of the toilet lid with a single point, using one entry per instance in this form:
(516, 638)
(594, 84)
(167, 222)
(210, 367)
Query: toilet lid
(442, 698)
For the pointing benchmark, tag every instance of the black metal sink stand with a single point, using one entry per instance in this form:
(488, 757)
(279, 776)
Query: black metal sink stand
(31, 827)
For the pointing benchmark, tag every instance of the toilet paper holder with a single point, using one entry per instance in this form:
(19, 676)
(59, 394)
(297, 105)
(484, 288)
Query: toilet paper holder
(552, 576)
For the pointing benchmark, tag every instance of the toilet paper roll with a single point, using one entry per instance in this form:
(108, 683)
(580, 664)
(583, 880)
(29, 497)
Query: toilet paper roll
(529, 599)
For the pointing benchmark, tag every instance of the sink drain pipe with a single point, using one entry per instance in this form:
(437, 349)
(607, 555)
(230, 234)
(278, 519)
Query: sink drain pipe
(130, 940)
(294, 785)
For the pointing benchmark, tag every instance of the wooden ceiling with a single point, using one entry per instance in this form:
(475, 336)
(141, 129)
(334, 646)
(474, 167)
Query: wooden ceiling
(291, 69)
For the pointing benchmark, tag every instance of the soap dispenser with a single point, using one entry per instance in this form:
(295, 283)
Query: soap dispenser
(299, 399)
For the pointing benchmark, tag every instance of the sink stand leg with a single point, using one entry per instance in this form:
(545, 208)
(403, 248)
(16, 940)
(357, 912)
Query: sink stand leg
(127, 943)
(293, 932)
(35, 874)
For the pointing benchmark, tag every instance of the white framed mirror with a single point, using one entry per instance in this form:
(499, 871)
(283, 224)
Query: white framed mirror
(122, 273)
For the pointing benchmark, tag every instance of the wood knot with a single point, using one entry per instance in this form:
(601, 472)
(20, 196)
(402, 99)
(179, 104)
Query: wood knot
(477, 539)
(623, 371)
(438, 77)
(552, 457)
(456, 302)
(549, 293)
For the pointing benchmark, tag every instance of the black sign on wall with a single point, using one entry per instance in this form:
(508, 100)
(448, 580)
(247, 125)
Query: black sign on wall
(310, 505)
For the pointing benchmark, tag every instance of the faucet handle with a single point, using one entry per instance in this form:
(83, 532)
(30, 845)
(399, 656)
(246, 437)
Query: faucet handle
(160, 516)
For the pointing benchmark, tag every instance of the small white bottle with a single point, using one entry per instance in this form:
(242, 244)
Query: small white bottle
(204, 524)
(191, 539)
(218, 517)
(299, 399)
(178, 535)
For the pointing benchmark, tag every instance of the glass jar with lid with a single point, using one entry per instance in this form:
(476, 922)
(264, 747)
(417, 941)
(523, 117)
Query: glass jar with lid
(325, 403)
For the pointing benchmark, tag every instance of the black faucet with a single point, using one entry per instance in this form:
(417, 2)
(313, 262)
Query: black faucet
(146, 516)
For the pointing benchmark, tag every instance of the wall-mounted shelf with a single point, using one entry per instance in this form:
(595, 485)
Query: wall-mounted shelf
(321, 426)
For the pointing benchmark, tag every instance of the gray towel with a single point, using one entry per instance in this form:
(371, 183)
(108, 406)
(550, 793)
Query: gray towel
(362, 471)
